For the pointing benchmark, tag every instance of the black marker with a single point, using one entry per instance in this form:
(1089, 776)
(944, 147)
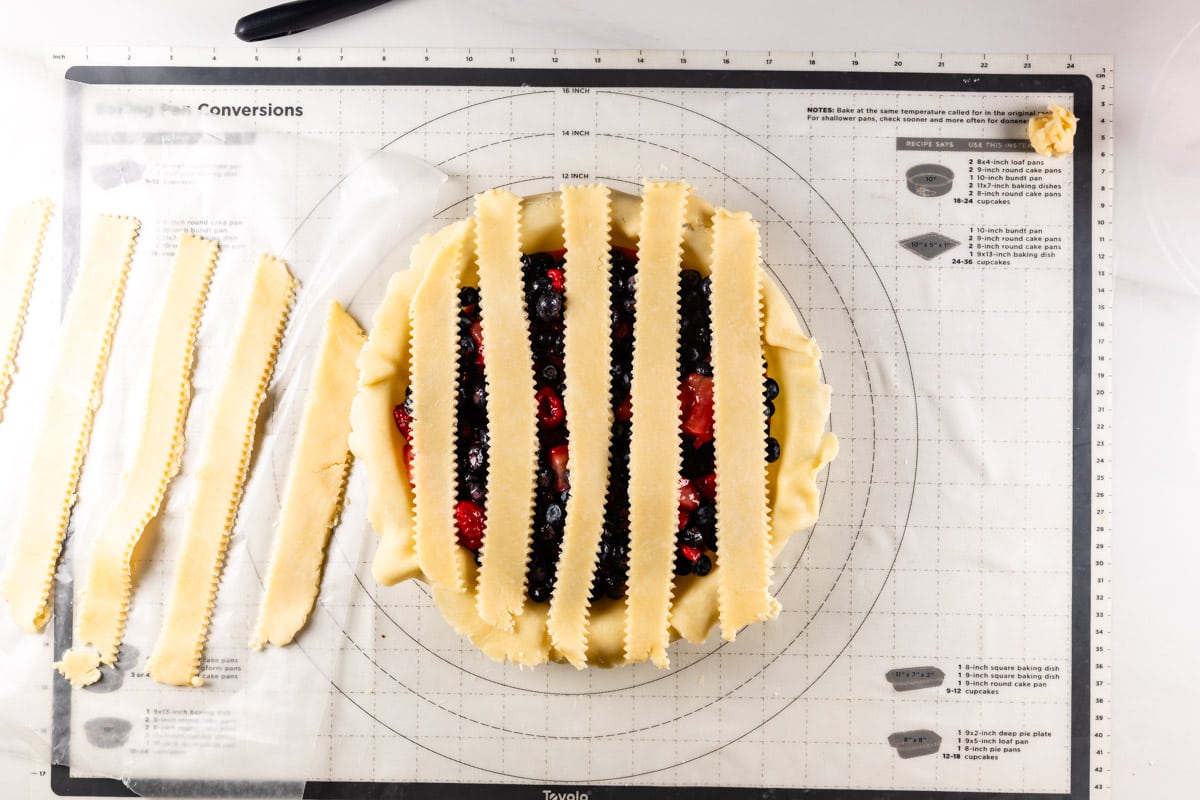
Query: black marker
(294, 17)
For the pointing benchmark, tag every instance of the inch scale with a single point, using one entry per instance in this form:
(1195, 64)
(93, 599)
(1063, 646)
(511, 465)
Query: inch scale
(967, 67)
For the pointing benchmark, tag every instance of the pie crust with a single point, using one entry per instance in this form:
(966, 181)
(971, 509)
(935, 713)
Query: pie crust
(315, 484)
(85, 341)
(20, 252)
(412, 346)
(222, 472)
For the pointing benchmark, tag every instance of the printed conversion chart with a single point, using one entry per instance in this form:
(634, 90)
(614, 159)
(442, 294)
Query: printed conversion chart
(944, 624)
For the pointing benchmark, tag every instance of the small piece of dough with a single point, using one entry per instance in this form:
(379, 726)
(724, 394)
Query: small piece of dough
(512, 410)
(654, 457)
(86, 338)
(20, 253)
(743, 518)
(316, 479)
(80, 667)
(100, 613)
(222, 473)
(1052, 133)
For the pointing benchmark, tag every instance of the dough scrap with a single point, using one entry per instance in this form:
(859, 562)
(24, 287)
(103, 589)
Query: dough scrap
(1052, 133)
(75, 393)
(586, 215)
(654, 457)
(315, 484)
(80, 667)
(512, 428)
(101, 610)
(743, 517)
(222, 473)
(20, 254)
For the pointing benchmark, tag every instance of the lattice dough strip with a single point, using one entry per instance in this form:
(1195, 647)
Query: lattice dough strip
(434, 367)
(222, 473)
(85, 340)
(316, 479)
(101, 610)
(654, 457)
(743, 516)
(586, 213)
(512, 410)
(20, 253)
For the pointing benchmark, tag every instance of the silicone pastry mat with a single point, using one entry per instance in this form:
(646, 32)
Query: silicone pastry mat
(937, 627)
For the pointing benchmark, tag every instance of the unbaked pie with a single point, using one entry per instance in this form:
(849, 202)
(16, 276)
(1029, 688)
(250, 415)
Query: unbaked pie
(590, 422)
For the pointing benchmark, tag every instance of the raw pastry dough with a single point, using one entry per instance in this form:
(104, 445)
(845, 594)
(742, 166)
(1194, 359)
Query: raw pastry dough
(1052, 133)
(80, 667)
(508, 370)
(86, 338)
(180, 646)
(654, 458)
(439, 264)
(100, 613)
(586, 216)
(743, 520)
(316, 479)
(20, 252)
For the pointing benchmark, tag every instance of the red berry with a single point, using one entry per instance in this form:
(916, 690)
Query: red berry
(550, 409)
(689, 496)
(696, 403)
(707, 485)
(557, 281)
(691, 553)
(558, 461)
(403, 418)
(683, 519)
(625, 410)
(477, 334)
(470, 519)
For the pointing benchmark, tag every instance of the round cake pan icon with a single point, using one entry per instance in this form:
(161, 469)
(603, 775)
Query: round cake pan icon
(930, 180)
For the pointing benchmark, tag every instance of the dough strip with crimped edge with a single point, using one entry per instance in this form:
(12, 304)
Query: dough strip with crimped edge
(743, 516)
(74, 395)
(102, 607)
(654, 457)
(315, 483)
(434, 359)
(512, 410)
(586, 214)
(221, 476)
(20, 254)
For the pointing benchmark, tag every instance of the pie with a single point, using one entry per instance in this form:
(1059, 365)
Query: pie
(590, 423)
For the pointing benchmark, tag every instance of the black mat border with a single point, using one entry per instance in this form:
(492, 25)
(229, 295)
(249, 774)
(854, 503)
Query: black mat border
(1079, 85)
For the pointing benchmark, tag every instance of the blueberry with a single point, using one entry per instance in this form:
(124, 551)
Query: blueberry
(682, 565)
(691, 536)
(703, 368)
(549, 374)
(474, 491)
(475, 458)
(769, 408)
(466, 346)
(539, 285)
(628, 305)
(704, 517)
(706, 287)
(772, 449)
(548, 307)
(689, 280)
(703, 565)
(688, 356)
(468, 296)
(479, 396)
(770, 388)
(539, 592)
(554, 514)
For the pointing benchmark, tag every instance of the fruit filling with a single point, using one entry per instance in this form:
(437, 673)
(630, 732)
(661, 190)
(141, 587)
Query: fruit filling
(545, 285)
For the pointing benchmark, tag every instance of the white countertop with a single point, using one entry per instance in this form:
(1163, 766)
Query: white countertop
(1157, 48)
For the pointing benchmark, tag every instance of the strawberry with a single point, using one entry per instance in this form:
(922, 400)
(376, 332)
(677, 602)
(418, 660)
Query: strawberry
(550, 409)
(707, 486)
(403, 418)
(691, 553)
(557, 279)
(477, 334)
(697, 406)
(625, 411)
(558, 461)
(689, 496)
